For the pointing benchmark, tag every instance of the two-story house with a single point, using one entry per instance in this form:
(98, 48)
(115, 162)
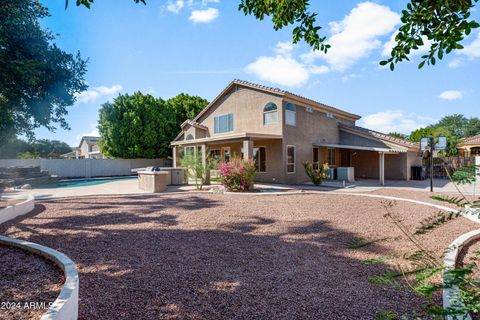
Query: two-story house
(281, 130)
(89, 148)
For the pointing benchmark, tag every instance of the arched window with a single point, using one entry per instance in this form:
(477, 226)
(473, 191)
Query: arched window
(270, 113)
(291, 114)
(189, 137)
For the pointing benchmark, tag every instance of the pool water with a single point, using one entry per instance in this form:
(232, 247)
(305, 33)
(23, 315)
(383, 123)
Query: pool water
(73, 183)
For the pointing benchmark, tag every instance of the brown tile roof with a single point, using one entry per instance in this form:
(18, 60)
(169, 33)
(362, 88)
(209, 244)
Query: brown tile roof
(288, 93)
(382, 136)
(193, 124)
(474, 140)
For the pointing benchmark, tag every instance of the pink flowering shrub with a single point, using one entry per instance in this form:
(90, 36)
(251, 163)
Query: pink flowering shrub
(237, 175)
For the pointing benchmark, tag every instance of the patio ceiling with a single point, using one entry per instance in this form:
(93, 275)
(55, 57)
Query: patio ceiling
(227, 137)
(353, 147)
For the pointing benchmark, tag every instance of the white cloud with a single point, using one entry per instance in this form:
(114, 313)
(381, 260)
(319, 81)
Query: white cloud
(94, 93)
(204, 16)
(451, 95)
(395, 121)
(206, 2)
(283, 68)
(280, 69)
(357, 35)
(472, 50)
(176, 6)
(455, 63)
(92, 133)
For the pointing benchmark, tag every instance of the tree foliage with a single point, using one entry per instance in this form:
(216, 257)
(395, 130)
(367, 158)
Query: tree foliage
(42, 148)
(454, 127)
(141, 126)
(38, 81)
(443, 23)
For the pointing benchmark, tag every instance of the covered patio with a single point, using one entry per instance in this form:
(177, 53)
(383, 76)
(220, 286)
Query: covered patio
(369, 162)
(265, 149)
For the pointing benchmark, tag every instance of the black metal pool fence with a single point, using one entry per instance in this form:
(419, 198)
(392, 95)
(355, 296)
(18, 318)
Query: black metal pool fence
(452, 164)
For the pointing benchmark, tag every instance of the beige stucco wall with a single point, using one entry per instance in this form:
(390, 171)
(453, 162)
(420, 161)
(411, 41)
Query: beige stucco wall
(247, 106)
(311, 127)
(84, 149)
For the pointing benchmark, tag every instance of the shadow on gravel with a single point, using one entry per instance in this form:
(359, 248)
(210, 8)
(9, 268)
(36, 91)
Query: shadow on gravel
(140, 263)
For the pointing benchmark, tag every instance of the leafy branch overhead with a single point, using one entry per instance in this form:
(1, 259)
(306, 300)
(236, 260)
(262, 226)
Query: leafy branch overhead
(440, 24)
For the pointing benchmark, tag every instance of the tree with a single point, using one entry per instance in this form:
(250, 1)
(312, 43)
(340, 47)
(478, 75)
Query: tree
(444, 23)
(185, 107)
(136, 126)
(140, 126)
(17, 148)
(398, 135)
(38, 81)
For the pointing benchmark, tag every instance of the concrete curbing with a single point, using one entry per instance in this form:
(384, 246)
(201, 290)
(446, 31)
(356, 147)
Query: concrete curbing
(11, 212)
(65, 306)
(450, 295)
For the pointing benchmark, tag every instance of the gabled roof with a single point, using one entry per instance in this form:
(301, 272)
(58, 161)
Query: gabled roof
(378, 135)
(90, 140)
(281, 93)
(193, 124)
(469, 141)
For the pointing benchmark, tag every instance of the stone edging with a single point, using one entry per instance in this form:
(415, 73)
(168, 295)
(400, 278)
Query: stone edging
(451, 294)
(11, 212)
(65, 307)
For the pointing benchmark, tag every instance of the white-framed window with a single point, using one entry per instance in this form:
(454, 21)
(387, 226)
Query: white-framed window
(189, 137)
(270, 113)
(215, 154)
(226, 156)
(260, 156)
(291, 114)
(189, 151)
(315, 158)
(332, 156)
(223, 123)
(290, 159)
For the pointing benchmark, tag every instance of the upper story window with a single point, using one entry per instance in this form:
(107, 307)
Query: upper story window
(223, 123)
(270, 113)
(291, 114)
(189, 137)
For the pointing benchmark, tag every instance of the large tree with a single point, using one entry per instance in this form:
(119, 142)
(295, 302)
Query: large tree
(444, 23)
(141, 126)
(38, 81)
(135, 126)
(42, 148)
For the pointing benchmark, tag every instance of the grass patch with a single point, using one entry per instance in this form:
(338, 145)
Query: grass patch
(357, 243)
(379, 260)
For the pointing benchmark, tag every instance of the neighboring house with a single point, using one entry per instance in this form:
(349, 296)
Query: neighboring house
(281, 130)
(89, 149)
(469, 146)
(72, 154)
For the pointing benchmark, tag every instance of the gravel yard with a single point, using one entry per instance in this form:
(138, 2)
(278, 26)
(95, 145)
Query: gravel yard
(205, 256)
(25, 279)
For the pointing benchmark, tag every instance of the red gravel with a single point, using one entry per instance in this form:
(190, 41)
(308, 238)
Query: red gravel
(205, 256)
(26, 278)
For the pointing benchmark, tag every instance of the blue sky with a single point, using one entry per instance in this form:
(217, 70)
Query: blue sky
(199, 46)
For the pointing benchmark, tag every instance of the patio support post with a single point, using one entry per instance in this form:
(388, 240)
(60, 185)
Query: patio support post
(174, 156)
(381, 166)
(247, 149)
(204, 163)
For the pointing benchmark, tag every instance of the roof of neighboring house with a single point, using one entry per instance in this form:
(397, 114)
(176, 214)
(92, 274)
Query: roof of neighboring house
(378, 135)
(90, 140)
(278, 92)
(471, 141)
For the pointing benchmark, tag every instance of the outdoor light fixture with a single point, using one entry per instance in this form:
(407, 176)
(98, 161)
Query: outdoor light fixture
(431, 144)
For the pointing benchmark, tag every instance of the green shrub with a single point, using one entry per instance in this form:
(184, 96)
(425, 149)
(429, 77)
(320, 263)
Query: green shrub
(316, 175)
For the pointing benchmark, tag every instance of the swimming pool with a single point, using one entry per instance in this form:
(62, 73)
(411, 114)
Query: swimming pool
(74, 183)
